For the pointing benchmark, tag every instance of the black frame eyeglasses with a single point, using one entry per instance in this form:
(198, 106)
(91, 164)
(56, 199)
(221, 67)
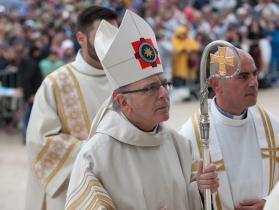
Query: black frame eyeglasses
(151, 89)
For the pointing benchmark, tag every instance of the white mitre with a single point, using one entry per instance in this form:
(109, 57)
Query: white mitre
(127, 54)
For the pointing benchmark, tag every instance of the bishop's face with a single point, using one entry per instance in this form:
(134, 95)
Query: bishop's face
(147, 109)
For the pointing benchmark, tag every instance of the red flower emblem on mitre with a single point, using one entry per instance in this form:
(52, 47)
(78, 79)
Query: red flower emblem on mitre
(146, 53)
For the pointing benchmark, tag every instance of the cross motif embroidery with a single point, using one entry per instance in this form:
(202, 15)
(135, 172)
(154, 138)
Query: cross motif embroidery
(272, 149)
(221, 60)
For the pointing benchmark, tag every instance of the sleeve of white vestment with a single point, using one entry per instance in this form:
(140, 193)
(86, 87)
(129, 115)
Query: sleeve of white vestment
(51, 151)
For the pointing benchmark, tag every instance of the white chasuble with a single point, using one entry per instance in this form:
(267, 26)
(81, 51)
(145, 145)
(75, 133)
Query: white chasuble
(272, 202)
(244, 152)
(140, 170)
(63, 109)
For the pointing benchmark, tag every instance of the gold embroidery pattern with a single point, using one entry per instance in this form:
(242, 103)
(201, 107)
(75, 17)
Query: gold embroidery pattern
(52, 157)
(58, 97)
(75, 121)
(220, 163)
(218, 202)
(195, 166)
(220, 166)
(71, 104)
(196, 122)
(269, 152)
(82, 103)
(90, 194)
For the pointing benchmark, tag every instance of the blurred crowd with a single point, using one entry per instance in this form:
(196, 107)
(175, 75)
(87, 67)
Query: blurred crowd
(42, 34)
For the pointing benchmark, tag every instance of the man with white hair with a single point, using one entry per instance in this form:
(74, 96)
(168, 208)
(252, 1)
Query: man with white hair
(139, 161)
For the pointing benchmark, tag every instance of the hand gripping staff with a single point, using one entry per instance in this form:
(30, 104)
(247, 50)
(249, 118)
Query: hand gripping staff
(222, 61)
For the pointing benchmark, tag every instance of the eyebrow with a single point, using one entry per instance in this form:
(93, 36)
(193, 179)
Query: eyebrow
(244, 73)
(255, 72)
(155, 83)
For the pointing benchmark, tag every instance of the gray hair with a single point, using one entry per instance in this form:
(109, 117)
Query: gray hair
(115, 105)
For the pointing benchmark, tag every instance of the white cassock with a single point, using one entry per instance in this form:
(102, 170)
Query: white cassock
(140, 170)
(245, 152)
(63, 110)
(272, 202)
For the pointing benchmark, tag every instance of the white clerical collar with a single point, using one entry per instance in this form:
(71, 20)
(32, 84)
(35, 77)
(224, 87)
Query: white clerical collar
(115, 125)
(222, 116)
(242, 116)
(81, 66)
(154, 131)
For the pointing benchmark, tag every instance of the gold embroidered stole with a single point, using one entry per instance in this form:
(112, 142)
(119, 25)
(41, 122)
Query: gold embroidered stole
(272, 148)
(269, 152)
(90, 194)
(75, 126)
(70, 104)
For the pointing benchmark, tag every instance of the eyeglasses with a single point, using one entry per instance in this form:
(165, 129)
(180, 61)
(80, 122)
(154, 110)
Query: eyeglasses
(151, 89)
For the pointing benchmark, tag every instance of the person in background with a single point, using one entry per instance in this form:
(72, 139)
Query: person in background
(50, 63)
(184, 62)
(165, 49)
(27, 77)
(68, 51)
(64, 107)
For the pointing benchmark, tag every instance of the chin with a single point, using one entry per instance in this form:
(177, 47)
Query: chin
(252, 103)
(164, 118)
